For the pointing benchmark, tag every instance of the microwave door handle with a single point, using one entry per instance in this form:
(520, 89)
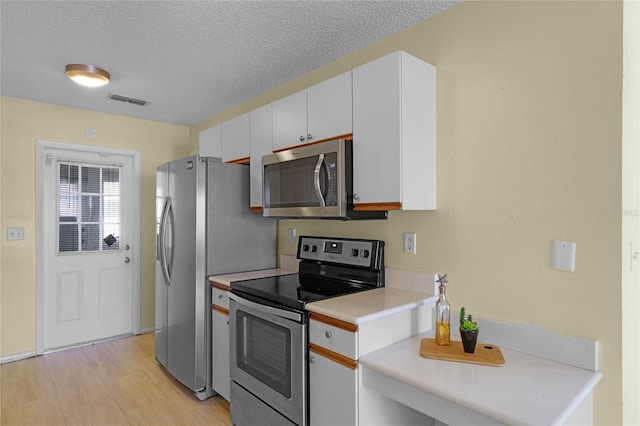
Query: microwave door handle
(316, 180)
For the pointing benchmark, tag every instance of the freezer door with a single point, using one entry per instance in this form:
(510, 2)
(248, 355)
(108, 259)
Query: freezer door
(162, 191)
(184, 328)
(237, 239)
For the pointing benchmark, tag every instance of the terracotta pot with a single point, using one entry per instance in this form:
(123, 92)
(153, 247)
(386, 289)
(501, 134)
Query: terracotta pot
(469, 339)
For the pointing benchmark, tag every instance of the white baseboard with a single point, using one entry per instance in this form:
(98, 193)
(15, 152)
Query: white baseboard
(17, 357)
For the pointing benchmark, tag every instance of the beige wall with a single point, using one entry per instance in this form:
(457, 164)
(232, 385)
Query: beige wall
(529, 150)
(22, 122)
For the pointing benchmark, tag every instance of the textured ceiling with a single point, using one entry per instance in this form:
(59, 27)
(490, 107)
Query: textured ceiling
(190, 59)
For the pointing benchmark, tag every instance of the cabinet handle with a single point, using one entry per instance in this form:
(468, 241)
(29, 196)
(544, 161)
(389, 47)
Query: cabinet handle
(219, 296)
(302, 139)
(309, 136)
(312, 359)
(328, 334)
(356, 197)
(227, 322)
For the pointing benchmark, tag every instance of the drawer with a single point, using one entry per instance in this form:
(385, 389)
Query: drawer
(334, 338)
(221, 298)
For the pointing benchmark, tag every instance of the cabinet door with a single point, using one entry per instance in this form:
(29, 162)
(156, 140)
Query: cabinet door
(394, 136)
(329, 111)
(235, 138)
(221, 375)
(333, 392)
(261, 125)
(376, 131)
(211, 142)
(290, 121)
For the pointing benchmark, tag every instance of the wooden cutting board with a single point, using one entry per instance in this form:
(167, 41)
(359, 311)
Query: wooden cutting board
(485, 353)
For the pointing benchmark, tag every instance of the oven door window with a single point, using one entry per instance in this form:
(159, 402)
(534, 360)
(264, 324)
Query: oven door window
(264, 351)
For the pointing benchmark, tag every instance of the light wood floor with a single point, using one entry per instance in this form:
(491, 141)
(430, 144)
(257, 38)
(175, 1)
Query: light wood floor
(111, 383)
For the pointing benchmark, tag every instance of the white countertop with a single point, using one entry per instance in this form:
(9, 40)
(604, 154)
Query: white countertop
(368, 305)
(249, 275)
(525, 390)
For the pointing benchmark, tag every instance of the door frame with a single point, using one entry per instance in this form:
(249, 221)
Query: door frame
(41, 147)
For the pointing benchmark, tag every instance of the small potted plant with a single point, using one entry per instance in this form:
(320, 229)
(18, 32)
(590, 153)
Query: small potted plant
(468, 331)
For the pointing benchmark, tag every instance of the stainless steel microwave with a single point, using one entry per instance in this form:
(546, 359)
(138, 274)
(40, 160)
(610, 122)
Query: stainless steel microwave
(312, 181)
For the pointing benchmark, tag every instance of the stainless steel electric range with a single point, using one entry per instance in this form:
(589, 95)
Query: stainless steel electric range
(268, 326)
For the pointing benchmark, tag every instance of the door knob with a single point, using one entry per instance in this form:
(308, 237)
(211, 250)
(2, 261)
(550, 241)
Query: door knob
(127, 260)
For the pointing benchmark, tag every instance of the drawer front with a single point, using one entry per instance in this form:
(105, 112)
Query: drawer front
(333, 338)
(220, 298)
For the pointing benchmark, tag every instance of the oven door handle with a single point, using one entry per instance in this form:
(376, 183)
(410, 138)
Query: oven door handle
(294, 316)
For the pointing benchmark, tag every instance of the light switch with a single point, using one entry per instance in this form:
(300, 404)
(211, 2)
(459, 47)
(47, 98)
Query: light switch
(15, 234)
(563, 255)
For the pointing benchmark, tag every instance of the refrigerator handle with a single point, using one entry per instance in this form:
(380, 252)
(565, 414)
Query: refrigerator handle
(169, 261)
(162, 240)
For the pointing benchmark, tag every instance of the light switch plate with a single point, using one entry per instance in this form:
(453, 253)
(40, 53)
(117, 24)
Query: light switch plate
(15, 234)
(563, 255)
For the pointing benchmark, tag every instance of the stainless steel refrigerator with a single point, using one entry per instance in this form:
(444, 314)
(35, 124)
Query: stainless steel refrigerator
(203, 227)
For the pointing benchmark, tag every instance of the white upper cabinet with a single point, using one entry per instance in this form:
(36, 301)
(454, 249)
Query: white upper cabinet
(261, 126)
(320, 112)
(329, 108)
(394, 133)
(236, 139)
(211, 142)
(290, 120)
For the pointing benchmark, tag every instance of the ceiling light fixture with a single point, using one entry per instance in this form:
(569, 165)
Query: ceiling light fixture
(87, 75)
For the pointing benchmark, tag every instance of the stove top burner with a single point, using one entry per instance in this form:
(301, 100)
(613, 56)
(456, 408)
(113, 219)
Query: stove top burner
(295, 290)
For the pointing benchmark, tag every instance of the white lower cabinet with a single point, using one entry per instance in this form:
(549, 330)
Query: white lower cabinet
(334, 392)
(221, 365)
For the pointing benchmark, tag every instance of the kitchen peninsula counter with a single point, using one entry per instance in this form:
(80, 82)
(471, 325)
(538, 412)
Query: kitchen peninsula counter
(526, 390)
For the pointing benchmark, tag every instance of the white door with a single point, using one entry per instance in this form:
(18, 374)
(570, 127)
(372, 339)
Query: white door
(86, 213)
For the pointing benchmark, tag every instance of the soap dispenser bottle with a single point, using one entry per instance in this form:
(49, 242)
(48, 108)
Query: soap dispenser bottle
(443, 315)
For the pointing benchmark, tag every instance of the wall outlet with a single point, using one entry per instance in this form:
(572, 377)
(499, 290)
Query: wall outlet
(292, 235)
(15, 234)
(410, 242)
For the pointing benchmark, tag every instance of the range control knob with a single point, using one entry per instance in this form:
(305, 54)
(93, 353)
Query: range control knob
(354, 252)
(305, 247)
(314, 249)
(365, 253)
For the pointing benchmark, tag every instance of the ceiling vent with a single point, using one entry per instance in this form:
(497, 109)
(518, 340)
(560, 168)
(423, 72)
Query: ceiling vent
(128, 100)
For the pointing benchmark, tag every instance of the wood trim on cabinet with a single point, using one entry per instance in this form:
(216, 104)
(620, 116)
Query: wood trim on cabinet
(220, 309)
(377, 206)
(243, 160)
(220, 286)
(347, 136)
(334, 356)
(256, 209)
(333, 322)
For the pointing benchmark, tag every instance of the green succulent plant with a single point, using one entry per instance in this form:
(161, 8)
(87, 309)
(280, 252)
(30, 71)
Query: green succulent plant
(466, 321)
